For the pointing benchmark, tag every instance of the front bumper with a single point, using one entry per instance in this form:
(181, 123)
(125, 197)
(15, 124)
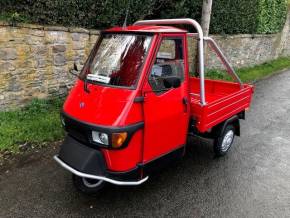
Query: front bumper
(89, 176)
(88, 162)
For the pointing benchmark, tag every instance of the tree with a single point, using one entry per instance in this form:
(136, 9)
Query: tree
(206, 14)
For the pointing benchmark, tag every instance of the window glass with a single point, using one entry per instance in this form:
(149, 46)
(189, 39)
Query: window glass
(117, 60)
(169, 62)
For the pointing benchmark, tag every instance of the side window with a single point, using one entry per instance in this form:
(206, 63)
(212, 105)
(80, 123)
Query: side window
(169, 62)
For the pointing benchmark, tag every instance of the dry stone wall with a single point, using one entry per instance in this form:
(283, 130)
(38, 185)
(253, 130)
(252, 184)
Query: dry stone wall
(35, 60)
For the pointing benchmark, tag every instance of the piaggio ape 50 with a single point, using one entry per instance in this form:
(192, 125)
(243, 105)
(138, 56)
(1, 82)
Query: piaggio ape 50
(135, 103)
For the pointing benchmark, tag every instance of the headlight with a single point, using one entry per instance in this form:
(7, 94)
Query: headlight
(100, 137)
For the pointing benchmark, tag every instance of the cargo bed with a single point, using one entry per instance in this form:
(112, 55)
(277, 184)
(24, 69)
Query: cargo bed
(223, 100)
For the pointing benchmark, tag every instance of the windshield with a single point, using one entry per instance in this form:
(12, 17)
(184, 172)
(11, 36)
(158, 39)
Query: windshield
(117, 60)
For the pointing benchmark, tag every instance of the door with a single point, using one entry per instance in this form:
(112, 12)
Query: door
(166, 110)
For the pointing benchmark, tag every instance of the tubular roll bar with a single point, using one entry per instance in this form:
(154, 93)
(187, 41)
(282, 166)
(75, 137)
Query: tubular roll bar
(212, 44)
(201, 40)
(196, 25)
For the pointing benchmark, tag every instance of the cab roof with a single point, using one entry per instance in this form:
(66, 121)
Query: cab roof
(150, 29)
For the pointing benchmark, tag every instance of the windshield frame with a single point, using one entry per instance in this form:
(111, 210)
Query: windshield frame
(97, 45)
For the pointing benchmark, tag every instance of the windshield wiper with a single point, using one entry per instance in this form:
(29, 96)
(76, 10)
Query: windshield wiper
(86, 89)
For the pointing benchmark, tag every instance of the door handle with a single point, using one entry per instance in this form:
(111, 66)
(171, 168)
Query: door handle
(185, 103)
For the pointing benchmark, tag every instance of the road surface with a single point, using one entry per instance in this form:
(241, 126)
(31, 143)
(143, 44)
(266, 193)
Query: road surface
(253, 180)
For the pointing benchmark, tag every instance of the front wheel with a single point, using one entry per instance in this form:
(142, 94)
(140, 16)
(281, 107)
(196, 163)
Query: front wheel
(223, 143)
(88, 186)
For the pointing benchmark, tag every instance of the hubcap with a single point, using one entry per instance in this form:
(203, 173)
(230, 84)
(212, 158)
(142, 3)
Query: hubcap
(92, 183)
(227, 141)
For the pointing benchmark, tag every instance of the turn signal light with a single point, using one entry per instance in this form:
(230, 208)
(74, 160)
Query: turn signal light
(118, 139)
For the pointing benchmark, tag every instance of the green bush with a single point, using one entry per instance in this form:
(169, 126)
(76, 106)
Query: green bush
(228, 16)
(232, 17)
(248, 16)
(178, 9)
(271, 16)
(88, 13)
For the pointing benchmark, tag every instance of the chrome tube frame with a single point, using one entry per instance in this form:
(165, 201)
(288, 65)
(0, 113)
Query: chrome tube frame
(213, 45)
(89, 176)
(197, 26)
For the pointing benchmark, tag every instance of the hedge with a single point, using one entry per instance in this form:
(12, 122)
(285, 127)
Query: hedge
(248, 16)
(228, 16)
(86, 13)
(272, 15)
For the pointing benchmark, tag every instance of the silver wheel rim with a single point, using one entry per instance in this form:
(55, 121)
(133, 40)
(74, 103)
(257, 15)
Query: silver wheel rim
(92, 185)
(227, 141)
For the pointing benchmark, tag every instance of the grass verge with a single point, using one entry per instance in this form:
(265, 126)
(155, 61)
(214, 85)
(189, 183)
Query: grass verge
(252, 74)
(39, 122)
(36, 123)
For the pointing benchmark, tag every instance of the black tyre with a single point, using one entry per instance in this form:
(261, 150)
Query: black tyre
(88, 186)
(223, 143)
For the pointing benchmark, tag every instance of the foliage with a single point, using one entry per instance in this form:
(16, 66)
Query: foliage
(271, 16)
(179, 9)
(89, 13)
(14, 18)
(232, 17)
(229, 16)
(244, 16)
(36, 123)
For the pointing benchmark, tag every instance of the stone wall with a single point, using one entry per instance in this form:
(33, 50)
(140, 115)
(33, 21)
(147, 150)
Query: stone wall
(247, 50)
(34, 60)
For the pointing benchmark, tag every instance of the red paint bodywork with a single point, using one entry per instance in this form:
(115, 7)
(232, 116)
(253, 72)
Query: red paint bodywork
(165, 117)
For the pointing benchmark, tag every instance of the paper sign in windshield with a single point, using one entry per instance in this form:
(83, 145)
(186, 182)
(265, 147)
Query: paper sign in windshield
(98, 78)
(165, 55)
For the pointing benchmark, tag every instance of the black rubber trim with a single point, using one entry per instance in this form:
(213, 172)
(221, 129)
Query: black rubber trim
(82, 131)
(150, 167)
(131, 175)
(139, 99)
(82, 158)
(228, 121)
(163, 161)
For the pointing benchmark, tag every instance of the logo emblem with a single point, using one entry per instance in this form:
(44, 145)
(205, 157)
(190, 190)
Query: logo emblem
(82, 105)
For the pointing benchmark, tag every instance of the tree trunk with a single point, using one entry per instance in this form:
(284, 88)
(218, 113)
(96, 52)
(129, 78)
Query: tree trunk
(206, 14)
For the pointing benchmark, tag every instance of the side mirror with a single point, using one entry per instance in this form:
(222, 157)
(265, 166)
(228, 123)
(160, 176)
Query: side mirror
(75, 66)
(74, 70)
(172, 82)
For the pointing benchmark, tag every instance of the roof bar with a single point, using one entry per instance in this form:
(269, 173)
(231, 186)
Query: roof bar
(196, 25)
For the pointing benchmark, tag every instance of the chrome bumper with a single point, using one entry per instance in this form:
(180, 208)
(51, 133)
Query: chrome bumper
(89, 176)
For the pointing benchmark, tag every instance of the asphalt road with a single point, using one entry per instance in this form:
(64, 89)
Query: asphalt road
(253, 180)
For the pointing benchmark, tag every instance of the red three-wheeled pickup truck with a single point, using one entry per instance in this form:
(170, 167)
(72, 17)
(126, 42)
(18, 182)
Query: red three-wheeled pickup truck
(135, 103)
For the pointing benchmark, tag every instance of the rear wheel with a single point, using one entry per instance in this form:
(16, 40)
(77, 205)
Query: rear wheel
(88, 186)
(223, 143)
